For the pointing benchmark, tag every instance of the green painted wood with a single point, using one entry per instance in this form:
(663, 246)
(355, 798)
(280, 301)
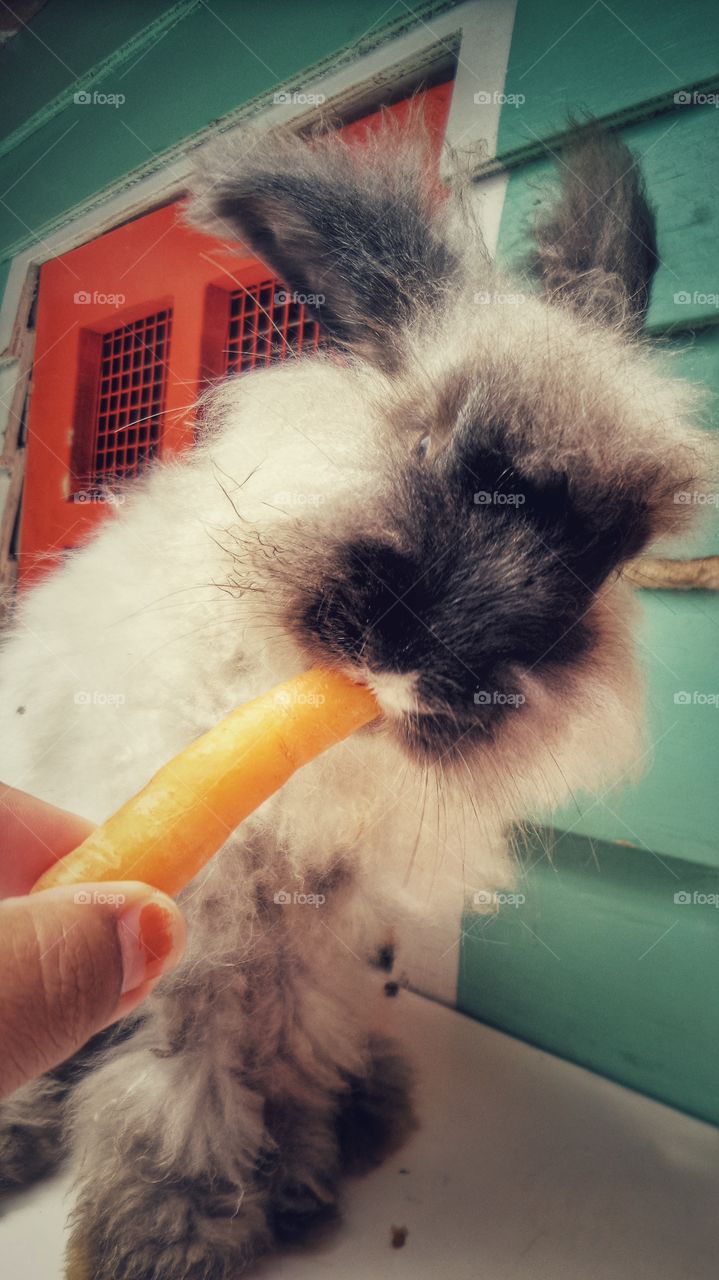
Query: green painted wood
(676, 154)
(674, 808)
(599, 963)
(603, 965)
(679, 154)
(568, 57)
(697, 357)
(694, 356)
(65, 46)
(4, 273)
(215, 60)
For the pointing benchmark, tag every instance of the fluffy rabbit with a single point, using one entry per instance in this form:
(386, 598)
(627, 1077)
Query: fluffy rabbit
(440, 503)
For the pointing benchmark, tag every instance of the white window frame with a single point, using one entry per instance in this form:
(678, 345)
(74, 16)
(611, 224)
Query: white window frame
(481, 30)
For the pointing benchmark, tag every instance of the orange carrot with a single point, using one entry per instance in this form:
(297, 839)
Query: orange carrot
(170, 829)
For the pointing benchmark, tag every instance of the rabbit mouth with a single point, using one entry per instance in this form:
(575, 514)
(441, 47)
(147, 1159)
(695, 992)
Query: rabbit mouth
(433, 737)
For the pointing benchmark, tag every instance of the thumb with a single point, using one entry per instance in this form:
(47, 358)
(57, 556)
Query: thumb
(73, 960)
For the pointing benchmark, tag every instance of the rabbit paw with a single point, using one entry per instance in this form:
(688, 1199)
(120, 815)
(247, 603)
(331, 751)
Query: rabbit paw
(190, 1230)
(377, 1115)
(30, 1134)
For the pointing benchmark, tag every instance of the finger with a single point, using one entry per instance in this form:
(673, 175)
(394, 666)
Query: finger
(74, 960)
(33, 835)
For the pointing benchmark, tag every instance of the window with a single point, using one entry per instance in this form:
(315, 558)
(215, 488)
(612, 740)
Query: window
(264, 325)
(121, 388)
(131, 327)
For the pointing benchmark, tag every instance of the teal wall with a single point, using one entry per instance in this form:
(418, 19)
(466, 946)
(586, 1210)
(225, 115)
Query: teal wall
(179, 66)
(622, 64)
(601, 964)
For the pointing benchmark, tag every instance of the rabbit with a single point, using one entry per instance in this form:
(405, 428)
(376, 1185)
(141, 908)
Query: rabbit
(438, 502)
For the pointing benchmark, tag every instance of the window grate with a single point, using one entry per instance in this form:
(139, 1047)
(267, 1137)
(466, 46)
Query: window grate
(131, 398)
(266, 324)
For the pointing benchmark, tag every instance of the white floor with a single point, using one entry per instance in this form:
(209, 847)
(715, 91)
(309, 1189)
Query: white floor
(524, 1168)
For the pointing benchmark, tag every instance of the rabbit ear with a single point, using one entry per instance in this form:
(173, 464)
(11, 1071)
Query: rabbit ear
(361, 227)
(596, 245)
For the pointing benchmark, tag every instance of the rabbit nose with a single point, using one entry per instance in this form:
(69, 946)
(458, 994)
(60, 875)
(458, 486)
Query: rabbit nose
(396, 693)
(368, 607)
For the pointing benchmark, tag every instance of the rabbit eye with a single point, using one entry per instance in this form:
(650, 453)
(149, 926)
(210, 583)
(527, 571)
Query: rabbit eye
(423, 446)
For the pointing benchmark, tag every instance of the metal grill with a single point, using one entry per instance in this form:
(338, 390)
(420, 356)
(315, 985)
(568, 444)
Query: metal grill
(266, 324)
(131, 399)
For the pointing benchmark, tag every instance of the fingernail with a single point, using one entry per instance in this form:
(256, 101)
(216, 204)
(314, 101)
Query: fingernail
(151, 937)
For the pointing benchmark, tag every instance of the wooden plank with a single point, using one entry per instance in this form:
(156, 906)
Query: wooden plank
(676, 159)
(12, 457)
(8, 562)
(677, 153)
(652, 572)
(674, 809)
(66, 46)
(600, 963)
(169, 95)
(600, 58)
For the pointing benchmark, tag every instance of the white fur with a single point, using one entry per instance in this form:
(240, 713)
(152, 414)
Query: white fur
(134, 647)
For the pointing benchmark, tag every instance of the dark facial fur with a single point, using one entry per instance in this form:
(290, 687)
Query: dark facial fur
(516, 481)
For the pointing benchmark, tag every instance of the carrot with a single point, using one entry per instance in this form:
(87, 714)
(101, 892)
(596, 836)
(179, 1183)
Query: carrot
(170, 829)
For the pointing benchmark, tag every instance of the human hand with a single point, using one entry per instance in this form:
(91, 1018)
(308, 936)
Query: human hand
(73, 959)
